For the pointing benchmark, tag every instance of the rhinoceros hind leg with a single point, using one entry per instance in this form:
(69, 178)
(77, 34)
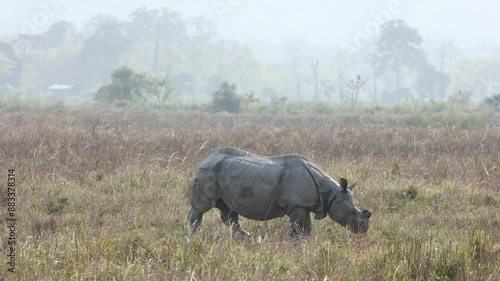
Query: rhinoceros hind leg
(230, 218)
(301, 222)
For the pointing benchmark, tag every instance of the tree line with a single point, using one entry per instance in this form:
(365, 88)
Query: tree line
(157, 55)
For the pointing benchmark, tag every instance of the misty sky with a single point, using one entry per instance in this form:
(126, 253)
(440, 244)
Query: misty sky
(321, 22)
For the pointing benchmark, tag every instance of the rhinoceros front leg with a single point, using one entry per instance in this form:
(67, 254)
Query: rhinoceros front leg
(200, 202)
(230, 218)
(194, 220)
(301, 222)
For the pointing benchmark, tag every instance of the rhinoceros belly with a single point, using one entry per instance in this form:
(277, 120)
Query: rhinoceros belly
(250, 187)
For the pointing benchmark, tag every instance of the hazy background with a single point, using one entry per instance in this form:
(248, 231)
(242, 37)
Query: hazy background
(320, 22)
(272, 45)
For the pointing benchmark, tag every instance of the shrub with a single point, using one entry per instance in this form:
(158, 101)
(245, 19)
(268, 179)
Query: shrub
(493, 100)
(126, 85)
(226, 99)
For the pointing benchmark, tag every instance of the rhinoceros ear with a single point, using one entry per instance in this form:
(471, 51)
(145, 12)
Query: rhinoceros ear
(343, 184)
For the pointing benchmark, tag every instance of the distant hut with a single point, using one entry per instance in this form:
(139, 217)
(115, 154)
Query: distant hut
(66, 93)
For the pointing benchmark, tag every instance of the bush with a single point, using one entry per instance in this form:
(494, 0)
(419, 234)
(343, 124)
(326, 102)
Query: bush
(226, 99)
(493, 100)
(126, 86)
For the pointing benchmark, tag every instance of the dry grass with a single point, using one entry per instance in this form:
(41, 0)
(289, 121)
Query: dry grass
(103, 195)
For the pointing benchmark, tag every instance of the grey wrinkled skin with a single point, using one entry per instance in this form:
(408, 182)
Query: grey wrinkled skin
(262, 188)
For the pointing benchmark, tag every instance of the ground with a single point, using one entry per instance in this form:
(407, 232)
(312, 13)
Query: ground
(103, 195)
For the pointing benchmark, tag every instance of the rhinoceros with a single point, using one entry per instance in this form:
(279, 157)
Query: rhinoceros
(238, 182)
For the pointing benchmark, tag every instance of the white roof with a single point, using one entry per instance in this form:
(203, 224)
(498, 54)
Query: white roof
(61, 87)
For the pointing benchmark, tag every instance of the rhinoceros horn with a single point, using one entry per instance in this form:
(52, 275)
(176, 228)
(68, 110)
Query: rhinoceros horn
(343, 185)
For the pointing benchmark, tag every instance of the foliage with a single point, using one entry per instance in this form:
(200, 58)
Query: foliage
(479, 76)
(278, 103)
(399, 46)
(398, 52)
(493, 100)
(201, 29)
(197, 59)
(126, 86)
(162, 88)
(101, 52)
(6, 65)
(226, 99)
(163, 24)
(249, 99)
(461, 97)
(432, 83)
(59, 33)
(10, 65)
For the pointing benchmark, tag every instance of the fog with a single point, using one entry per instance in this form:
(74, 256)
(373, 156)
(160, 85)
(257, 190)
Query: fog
(321, 22)
(276, 32)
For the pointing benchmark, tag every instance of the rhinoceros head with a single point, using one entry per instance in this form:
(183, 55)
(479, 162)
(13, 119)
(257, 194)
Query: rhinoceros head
(344, 211)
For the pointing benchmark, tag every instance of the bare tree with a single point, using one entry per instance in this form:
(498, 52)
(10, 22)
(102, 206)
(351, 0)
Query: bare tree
(446, 50)
(343, 62)
(313, 64)
(295, 68)
(353, 89)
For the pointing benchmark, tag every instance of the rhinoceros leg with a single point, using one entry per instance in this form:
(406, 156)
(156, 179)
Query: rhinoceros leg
(230, 218)
(200, 202)
(301, 222)
(194, 220)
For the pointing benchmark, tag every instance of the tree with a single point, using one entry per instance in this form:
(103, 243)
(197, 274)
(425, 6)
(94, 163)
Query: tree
(432, 83)
(201, 29)
(398, 52)
(162, 88)
(314, 81)
(101, 53)
(295, 67)
(57, 65)
(183, 83)
(92, 24)
(11, 66)
(163, 27)
(248, 99)
(461, 98)
(59, 33)
(341, 69)
(446, 50)
(170, 27)
(125, 86)
(6, 66)
(493, 101)
(226, 99)
(246, 67)
(278, 103)
(353, 88)
(478, 76)
(328, 88)
(199, 63)
(143, 24)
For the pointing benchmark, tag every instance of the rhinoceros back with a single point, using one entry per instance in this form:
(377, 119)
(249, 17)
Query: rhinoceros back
(256, 186)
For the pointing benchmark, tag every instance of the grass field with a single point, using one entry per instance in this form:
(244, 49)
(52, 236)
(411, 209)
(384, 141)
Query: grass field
(103, 195)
